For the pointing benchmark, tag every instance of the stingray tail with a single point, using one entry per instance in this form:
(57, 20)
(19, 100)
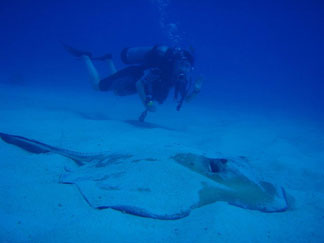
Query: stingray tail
(36, 147)
(29, 145)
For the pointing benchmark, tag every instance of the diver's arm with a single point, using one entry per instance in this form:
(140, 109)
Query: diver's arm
(141, 91)
(196, 90)
(191, 96)
(145, 98)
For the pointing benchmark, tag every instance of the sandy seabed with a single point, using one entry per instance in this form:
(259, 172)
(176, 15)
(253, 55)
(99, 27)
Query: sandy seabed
(34, 207)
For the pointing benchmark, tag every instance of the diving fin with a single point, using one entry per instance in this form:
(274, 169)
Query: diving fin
(76, 52)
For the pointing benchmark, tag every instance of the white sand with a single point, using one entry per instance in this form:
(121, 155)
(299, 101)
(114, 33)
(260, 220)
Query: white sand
(34, 207)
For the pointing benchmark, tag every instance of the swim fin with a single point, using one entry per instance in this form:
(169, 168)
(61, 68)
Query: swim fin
(76, 52)
(103, 58)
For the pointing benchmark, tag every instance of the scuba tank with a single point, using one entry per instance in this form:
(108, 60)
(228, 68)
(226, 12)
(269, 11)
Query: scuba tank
(135, 55)
(142, 55)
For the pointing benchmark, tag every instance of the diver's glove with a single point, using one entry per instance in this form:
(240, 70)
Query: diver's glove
(197, 85)
(149, 104)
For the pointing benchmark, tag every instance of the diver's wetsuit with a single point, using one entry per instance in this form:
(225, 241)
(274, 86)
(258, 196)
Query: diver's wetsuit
(156, 72)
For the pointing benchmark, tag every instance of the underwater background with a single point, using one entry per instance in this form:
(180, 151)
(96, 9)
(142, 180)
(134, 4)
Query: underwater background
(267, 54)
(67, 150)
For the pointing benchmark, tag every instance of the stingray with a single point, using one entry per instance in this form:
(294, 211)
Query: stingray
(162, 188)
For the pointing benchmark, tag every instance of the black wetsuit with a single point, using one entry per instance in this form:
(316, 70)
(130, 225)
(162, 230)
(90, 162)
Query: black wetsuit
(156, 73)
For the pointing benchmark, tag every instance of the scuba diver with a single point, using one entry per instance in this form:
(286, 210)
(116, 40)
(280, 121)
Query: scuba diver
(152, 73)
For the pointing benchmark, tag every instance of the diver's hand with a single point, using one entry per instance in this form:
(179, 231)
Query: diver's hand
(198, 84)
(196, 89)
(150, 106)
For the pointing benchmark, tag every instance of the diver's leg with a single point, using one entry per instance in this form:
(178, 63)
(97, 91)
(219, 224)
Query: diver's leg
(108, 58)
(111, 67)
(92, 72)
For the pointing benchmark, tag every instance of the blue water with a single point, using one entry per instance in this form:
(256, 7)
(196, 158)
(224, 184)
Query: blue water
(268, 53)
(261, 62)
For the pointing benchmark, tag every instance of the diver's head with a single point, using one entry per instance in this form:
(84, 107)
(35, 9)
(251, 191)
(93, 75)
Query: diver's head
(182, 68)
(182, 65)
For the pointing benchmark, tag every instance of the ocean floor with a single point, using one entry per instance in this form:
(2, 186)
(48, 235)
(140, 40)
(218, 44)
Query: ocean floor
(35, 207)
